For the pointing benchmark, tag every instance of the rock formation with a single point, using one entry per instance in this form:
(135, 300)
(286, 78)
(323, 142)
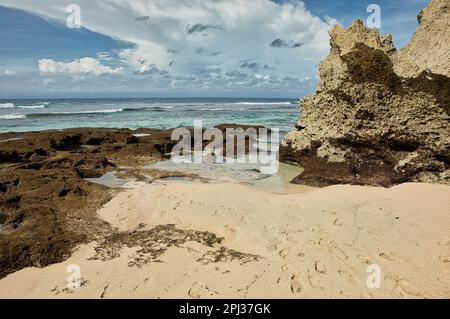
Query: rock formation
(429, 47)
(378, 117)
(47, 207)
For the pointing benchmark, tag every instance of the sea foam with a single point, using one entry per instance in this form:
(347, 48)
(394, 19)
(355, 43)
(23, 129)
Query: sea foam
(12, 116)
(41, 106)
(7, 105)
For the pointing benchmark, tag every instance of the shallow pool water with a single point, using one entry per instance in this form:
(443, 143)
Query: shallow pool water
(246, 173)
(110, 180)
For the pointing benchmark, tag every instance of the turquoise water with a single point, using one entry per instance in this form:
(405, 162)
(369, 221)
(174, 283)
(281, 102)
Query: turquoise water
(36, 115)
(245, 173)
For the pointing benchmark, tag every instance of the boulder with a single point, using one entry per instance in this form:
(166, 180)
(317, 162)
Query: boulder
(375, 119)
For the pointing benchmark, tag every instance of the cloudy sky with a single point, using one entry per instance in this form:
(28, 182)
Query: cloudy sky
(140, 48)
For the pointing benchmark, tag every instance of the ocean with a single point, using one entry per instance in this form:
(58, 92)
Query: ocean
(36, 115)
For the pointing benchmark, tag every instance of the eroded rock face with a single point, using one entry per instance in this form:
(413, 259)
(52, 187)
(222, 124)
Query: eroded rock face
(47, 207)
(368, 123)
(429, 47)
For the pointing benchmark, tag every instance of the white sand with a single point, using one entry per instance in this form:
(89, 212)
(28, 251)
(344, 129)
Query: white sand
(316, 243)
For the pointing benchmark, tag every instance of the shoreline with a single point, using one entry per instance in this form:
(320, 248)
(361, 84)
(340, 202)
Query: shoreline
(47, 204)
(312, 244)
(178, 234)
(343, 193)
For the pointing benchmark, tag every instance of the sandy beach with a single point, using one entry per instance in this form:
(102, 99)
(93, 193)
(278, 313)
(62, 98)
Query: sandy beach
(305, 244)
(224, 149)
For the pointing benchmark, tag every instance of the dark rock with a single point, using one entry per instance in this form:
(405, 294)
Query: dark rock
(46, 206)
(375, 120)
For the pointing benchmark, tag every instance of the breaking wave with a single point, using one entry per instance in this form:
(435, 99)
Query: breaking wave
(12, 116)
(41, 106)
(7, 105)
(265, 103)
(31, 115)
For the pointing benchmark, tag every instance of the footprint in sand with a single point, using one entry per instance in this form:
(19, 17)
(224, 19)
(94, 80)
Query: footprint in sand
(123, 219)
(245, 220)
(444, 259)
(285, 274)
(320, 267)
(337, 222)
(404, 288)
(445, 242)
(296, 286)
(388, 257)
(195, 291)
(283, 253)
(177, 205)
(217, 212)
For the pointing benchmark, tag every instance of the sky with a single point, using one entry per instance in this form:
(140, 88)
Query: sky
(172, 48)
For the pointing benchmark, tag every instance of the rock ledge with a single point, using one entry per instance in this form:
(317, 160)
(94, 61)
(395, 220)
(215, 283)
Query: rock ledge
(377, 118)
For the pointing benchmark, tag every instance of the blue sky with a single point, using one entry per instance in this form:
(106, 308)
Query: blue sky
(171, 48)
(399, 17)
(26, 38)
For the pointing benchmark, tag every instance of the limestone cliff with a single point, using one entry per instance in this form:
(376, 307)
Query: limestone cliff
(429, 47)
(379, 117)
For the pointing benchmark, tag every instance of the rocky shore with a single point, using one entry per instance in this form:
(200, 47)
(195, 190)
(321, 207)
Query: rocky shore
(378, 117)
(47, 207)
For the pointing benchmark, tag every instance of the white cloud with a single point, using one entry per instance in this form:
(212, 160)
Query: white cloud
(80, 66)
(331, 21)
(8, 72)
(104, 56)
(194, 41)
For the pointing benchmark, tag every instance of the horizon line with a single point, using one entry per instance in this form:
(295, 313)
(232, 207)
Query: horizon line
(159, 97)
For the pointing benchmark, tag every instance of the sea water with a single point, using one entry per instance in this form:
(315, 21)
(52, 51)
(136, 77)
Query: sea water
(242, 173)
(282, 114)
(36, 115)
